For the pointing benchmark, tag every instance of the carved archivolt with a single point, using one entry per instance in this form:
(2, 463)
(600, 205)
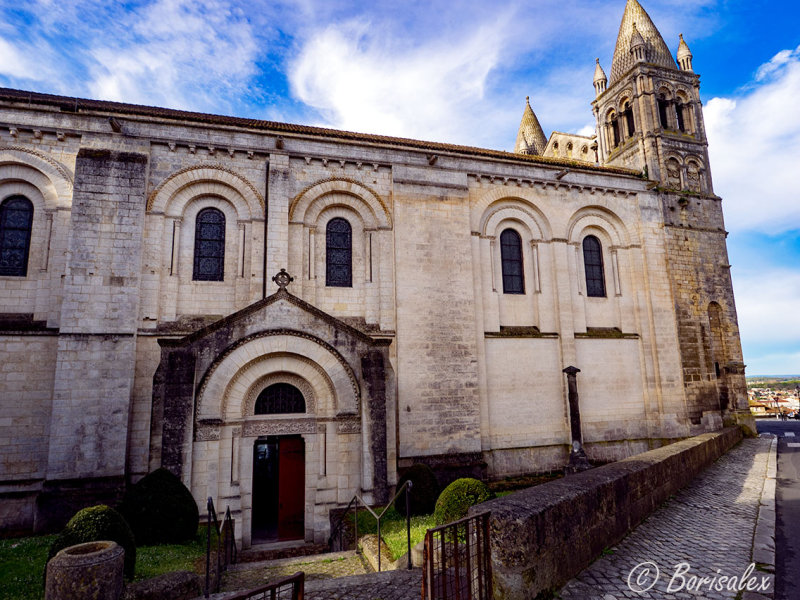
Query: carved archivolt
(523, 199)
(601, 218)
(208, 173)
(213, 388)
(63, 171)
(54, 184)
(511, 209)
(366, 201)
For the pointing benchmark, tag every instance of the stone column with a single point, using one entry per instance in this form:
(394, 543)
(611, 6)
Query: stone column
(577, 457)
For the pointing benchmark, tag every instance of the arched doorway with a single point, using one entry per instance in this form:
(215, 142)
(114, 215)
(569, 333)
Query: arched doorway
(279, 472)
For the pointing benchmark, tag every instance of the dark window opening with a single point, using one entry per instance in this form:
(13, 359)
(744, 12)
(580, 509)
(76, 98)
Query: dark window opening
(16, 219)
(663, 103)
(280, 398)
(511, 259)
(679, 114)
(716, 369)
(339, 254)
(209, 246)
(629, 120)
(593, 266)
(615, 130)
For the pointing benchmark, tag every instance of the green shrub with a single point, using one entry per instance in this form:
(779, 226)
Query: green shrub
(160, 509)
(424, 491)
(455, 500)
(96, 523)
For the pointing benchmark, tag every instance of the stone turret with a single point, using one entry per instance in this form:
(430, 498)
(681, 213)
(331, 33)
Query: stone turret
(684, 56)
(531, 138)
(600, 79)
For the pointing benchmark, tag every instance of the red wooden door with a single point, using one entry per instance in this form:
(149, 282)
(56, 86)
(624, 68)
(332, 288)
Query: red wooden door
(291, 488)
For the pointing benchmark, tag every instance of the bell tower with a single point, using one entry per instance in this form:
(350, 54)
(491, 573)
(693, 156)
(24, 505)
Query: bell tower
(649, 115)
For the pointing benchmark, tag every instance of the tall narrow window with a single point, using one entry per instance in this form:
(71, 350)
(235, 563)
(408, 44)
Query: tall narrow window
(663, 103)
(16, 218)
(209, 246)
(511, 259)
(629, 119)
(593, 264)
(615, 130)
(339, 254)
(679, 113)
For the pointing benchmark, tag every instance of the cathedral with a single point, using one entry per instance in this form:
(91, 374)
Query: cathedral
(285, 316)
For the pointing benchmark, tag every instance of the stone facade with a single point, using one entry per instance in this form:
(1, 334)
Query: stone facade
(118, 359)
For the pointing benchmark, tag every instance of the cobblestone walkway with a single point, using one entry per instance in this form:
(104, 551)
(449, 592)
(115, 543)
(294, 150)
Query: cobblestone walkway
(708, 525)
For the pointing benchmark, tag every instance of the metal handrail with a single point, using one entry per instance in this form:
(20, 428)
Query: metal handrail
(296, 581)
(407, 485)
(231, 552)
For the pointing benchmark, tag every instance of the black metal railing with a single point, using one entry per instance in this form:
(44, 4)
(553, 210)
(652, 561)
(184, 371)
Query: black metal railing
(339, 532)
(289, 588)
(224, 550)
(457, 561)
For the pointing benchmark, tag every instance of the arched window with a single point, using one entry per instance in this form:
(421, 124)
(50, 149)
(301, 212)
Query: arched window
(511, 259)
(16, 218)
(280, 398)
(615, 130)
(628, 112)
(593, 265)
(209, 246)
(338, 254)
(663, 107)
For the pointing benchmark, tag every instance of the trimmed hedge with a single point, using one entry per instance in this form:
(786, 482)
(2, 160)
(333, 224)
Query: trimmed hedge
(424, 490)
(97, 523)
(160, 509)
(455, 500)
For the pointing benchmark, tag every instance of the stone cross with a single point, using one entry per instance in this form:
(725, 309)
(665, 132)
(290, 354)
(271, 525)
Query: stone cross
(282, 279)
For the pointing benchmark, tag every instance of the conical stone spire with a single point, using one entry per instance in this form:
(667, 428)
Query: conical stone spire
(600, 79)
(684, 56)
(635, 18)
(530, 139)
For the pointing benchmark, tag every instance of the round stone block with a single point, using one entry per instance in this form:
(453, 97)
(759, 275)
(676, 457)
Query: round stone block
(90, 571)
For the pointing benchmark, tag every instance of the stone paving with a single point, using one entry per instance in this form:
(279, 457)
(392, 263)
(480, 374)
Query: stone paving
(709, 526)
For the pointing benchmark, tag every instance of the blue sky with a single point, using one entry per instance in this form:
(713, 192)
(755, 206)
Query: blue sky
(457, 71)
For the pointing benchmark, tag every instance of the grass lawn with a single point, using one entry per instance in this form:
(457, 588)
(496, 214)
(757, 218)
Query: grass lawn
(22, 562)
(393, 528)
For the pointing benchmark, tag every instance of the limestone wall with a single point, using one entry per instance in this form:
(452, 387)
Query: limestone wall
(544, 535)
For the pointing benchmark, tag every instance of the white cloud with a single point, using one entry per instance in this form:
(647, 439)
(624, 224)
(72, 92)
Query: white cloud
(753, 141)
(361, 79)
(768, 303)
(12, 61)
(179, 53)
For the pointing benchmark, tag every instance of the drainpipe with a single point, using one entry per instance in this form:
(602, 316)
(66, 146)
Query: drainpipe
(266, 229)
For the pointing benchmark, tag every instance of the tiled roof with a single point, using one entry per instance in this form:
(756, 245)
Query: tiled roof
(636, 19)
(82, 105)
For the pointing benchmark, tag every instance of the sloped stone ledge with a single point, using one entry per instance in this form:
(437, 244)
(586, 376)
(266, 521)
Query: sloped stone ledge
(543, 536)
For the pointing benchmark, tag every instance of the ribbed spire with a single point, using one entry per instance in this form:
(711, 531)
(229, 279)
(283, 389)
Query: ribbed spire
(657, 52)
(530, 139)
(684, 56)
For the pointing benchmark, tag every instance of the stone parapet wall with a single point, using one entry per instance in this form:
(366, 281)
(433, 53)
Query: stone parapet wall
(544, 535)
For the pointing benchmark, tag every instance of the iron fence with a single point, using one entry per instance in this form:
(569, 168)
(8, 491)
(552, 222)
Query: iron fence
(457, 561)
